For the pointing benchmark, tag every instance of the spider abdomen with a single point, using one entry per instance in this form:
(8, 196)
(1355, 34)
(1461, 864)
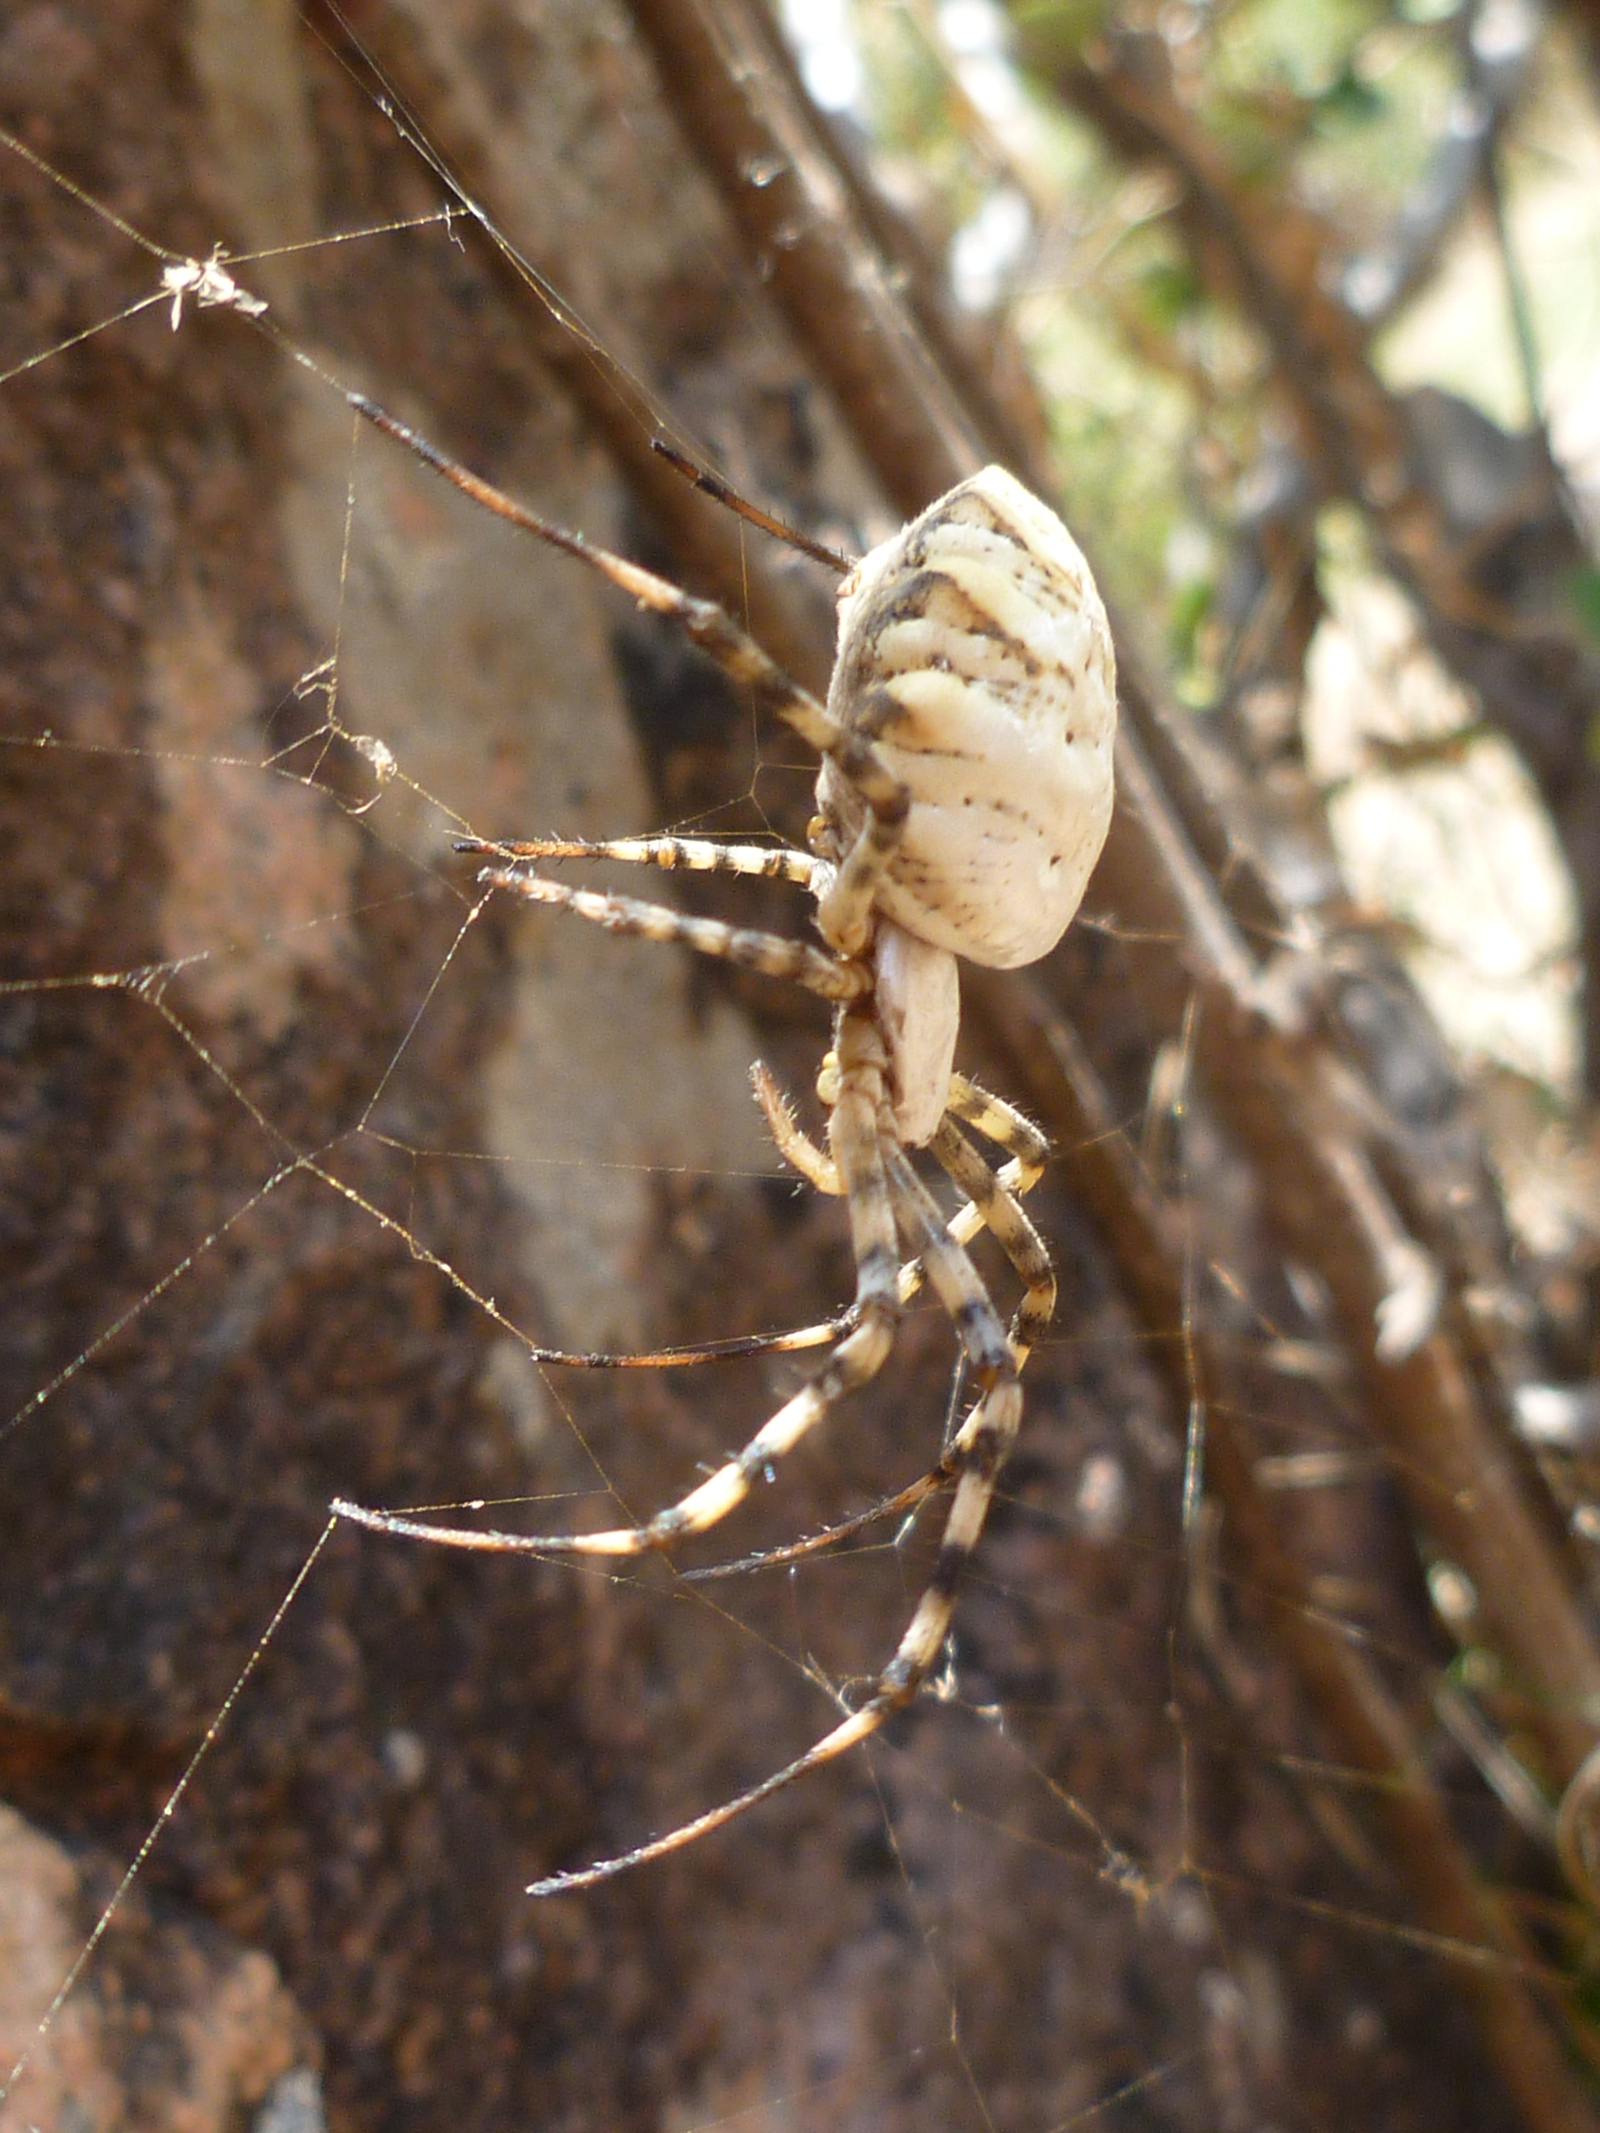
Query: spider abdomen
(974, 649)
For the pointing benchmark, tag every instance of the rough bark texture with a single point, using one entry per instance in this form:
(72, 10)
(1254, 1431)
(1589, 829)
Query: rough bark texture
(265, 1092)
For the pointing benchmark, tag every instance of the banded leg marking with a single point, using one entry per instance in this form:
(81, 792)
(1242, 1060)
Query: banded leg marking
(1004, 1217)
(854, 1362)
(999, 1122)
(982, 1444)
(976, 1457)
(986, 1438)
(996, 1190)
(950, 1273)
(697, 855)
(768, 953)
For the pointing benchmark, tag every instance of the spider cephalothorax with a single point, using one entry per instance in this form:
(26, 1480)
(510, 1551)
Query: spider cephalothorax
(963, 797)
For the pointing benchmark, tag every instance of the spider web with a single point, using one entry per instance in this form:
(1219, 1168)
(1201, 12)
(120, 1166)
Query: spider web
(306, 1146)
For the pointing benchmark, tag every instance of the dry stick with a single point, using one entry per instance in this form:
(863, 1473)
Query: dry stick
(793, 210)
(981, 357)
(1269, 256)
(1347, 1691)
(1278, 1090)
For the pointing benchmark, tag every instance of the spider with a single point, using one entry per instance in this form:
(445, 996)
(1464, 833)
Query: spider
(963, 797)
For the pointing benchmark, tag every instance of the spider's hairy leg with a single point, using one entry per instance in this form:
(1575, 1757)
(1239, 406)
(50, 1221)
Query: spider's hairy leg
(1011, 1229)
(844, 913)
(990, 1199)
(793, 1143)
(950, 1273)
(981, 1446)
(978, 1452)
(974, 1459)
(713, 485)
(699, 855)
(992, 1205)
(768, 953)
(844, 910)
(999, 1122)
(860, 1157)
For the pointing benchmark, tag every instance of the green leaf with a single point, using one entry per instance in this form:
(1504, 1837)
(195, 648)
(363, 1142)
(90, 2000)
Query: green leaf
(1350, 101)
(1583, 590)
(1190, 607)
(1170, 289)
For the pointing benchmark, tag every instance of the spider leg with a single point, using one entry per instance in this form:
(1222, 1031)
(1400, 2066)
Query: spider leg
(897, 1506)
(733, 1348)
(981, 1445)
(990, 1197)
(857, 1358)
(1006, 1127)
(950, 1273)
(845, 911)
(698, 855)
(1003, 1217)
(796, 1146)
(768, 953)
(976, 1457)
(990, 1204)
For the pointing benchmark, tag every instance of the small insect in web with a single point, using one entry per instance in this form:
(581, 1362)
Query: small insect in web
(964, 795)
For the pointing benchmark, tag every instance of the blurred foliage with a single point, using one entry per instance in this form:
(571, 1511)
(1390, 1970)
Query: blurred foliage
(1157, 401)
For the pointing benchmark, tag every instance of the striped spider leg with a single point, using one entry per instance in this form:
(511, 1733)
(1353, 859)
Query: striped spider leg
(963, 796)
